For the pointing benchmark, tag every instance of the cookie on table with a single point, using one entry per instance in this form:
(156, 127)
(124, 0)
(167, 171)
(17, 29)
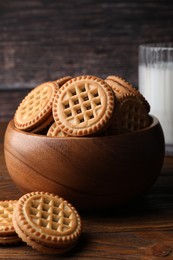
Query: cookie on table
(84, 106)
(7, 231)
(36, 107)
(47, 222)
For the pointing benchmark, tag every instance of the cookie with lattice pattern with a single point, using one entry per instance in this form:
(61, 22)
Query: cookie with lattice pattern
(7, 231)
(47, 222)
(130, 88)
(84, 106)
(131, 114)
(55, 131)
(36, 107)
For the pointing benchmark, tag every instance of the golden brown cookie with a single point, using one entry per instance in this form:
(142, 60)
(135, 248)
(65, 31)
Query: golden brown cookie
(62, 81)
(84, 106)
(118, 89)
(55, 131)
(47, 222)
(36, 107)
(131, 114)
(43, 126)
(129, 87)
(7, 231)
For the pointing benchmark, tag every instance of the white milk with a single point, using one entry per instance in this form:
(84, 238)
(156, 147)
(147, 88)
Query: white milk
(156, 84)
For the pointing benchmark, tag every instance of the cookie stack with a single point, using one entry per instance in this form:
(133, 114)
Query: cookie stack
(83, 106)
(7, 231)
(44, 221)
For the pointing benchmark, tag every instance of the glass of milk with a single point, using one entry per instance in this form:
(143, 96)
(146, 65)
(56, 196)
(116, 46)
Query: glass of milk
(156, 84)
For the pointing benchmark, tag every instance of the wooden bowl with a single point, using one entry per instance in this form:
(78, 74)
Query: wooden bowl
(90, 172)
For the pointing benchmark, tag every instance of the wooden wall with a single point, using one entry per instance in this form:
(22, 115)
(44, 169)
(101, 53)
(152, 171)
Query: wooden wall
(42, 40)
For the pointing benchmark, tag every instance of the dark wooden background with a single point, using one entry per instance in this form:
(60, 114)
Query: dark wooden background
(42, 40)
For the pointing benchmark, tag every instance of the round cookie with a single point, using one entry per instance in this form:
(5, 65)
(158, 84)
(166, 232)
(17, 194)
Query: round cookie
(47, 222)
(7, 231)
(62, 81)
(118, 89)
(130, 88)
(131, 114)
(84, 106)
(55, 131)
(36, 107)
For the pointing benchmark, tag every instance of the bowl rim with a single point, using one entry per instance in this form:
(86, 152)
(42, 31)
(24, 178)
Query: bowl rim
(154, 122)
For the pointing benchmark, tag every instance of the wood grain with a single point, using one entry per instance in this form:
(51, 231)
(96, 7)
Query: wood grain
(140, 230)
(42, 40)
(88, 171)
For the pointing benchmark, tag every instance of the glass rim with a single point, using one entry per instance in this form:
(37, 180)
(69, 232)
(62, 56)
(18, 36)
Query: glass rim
(158, 45)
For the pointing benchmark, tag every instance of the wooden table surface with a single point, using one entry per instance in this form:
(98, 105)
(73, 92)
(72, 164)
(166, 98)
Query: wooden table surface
(140, 230)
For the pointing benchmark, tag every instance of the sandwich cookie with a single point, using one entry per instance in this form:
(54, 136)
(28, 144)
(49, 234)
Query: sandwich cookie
(36, 107)
(47, 222)
(55, 131)
(7, 231)
(131, 89)
(84, 106)
(131, 114)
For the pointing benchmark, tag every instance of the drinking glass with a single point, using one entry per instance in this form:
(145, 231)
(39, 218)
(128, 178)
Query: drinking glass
(156, 84)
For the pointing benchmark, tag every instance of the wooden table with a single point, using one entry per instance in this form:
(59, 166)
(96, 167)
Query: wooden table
(140, 230)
